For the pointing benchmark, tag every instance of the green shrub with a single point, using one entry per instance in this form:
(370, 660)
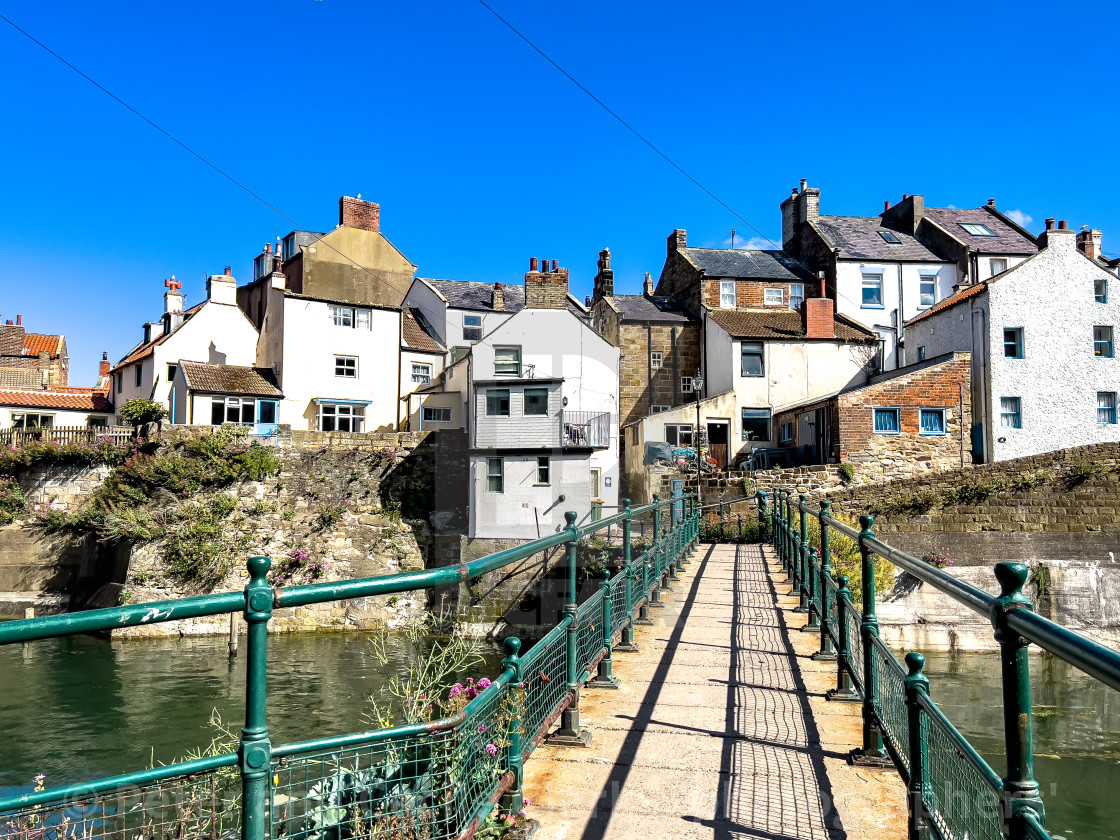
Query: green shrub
(199, 550)
(847, 472)
(137, 412)
(13, 501)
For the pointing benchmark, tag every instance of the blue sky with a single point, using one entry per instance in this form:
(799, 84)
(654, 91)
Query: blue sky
(482, 155)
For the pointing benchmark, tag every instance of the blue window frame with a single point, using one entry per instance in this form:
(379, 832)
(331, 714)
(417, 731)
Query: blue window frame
(1013, 343)
(787, 431)
(1106, 408)
(1102, 342)
(1010, 412)
(932, 421)
(1100, 291)
(886, 421)
(872, 291)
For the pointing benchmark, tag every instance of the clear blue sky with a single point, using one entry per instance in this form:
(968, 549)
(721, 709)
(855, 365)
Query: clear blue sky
(482, 155)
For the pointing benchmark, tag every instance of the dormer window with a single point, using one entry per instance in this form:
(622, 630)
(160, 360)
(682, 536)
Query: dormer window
(976, 230)
(890, 237)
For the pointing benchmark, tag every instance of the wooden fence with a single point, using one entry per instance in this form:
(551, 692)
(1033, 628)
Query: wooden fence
(65, 435)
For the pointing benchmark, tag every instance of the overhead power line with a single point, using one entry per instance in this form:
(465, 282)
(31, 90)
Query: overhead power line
(195, 154)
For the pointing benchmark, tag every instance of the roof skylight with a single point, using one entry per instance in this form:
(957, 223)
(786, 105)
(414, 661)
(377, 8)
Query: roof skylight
(976, 230)
(889, 237)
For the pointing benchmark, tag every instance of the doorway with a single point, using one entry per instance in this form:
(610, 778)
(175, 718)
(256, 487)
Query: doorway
(719, 434)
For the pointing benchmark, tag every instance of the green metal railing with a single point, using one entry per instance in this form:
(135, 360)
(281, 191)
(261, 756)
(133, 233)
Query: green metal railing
(436, 780)
(953, 793)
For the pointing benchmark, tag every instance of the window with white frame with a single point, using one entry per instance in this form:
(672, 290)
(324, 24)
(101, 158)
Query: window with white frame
(796, 295)
(927, 290)
(656, 359)
(727, 294)
(787, 432)
(686, 384)
(998, 265)
(341, 417)
(346, 367)
(472, 328)
(171, 370)
(1106, 408)
(342, 316)
(436, 414)
(544, 469)
(678, 434)
(872, 290)
(885, 421)
(495, 475)
(976, 229)
(421, 373)
(507, 361)
(1010, 412)
(931, 421)
(657, 409)
(773, 297)
(26, 420)
(232, 410)
(1100, 290)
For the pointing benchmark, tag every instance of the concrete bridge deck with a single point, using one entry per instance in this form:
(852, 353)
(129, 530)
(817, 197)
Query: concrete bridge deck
(720, 728)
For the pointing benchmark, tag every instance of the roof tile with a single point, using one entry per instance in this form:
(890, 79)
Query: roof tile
(230, 379)
(781, 324)
(765, 265)
(415, 334)
(858, 237)
(76, 399)
(34, 344)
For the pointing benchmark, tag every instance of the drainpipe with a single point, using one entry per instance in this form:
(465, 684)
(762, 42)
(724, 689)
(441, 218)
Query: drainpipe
(983, 379)
(960, 414)
(898, 320)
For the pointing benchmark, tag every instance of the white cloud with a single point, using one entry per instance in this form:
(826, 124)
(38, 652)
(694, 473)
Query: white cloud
(1019, 217)
(754, 243)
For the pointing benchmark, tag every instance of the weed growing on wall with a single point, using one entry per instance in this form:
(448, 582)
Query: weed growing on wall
(15, 460)
(13, 502)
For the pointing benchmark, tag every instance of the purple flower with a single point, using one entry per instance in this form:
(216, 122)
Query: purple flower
(484, 683)
(456, 690)
(527, 802)
(481, 728)
(491, 749)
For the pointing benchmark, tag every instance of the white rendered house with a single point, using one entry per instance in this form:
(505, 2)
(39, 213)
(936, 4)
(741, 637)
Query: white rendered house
(1045, 369)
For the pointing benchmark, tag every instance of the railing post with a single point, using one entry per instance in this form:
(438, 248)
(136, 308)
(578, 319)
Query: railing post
(665, 567)
(655, 556)
(763, 517)
(916, 684)
(1020, 790)
(626, 642)
(740, 527)
(675, 554)
(255, 751)
(802, 559)
(604, 675)
(873, 750)
(569, 734)
(814, 623)
(844, 690)
(513, 800)
(783, 526)
(826, 652)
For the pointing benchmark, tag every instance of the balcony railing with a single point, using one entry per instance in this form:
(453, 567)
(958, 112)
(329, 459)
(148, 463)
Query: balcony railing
(585, 429)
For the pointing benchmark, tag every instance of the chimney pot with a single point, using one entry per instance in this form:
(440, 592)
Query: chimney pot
(554, 263)
(886, 206)
(804, 184)
(268, 247)
(229, 271)
(19, 320)
(647, 287)
(9, 323)
(905, 196)
(532, 263)
(587, 301)
(1063, 225)
(1049, 224)
(991, 202)
(793, 192)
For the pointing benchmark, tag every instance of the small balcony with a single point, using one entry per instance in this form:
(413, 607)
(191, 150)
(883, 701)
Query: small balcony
(585, 429)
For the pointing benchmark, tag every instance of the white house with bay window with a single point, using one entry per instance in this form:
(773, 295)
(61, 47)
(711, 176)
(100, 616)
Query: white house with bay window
(1042, 335)
(209, 394)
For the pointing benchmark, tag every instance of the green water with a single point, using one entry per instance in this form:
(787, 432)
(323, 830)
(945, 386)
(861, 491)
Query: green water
(1077, 734)
(82, 707)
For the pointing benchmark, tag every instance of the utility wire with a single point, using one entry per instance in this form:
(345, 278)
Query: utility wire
(195, 154)
(625, 124)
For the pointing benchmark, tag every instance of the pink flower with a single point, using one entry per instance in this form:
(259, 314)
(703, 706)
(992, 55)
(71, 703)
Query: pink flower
(484, 683)
(491, 749)
(456, 690)
(523, 813)
(527, 801)
(481, 728)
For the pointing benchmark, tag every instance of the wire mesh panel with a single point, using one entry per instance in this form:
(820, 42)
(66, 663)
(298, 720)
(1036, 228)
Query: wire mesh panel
(590, 631)
(480, 748)
(203, 805)
(618, 602)
(401, 788)
(543, 670)
(855, 642)
(830, 618)
(891, 702)
(638, 581)
(961, 798)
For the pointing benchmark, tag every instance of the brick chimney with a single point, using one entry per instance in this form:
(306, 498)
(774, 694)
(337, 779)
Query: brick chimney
(817, 319)
(103, 371)
(546, 289)
(678, 239)
(789, 222)
(808, 203)
(604, 279)
(355, 213)
(11, 339)
(498, 301)
(1089, 243)
(647, 286)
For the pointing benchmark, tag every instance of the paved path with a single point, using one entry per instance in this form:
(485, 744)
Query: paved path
(720, 728)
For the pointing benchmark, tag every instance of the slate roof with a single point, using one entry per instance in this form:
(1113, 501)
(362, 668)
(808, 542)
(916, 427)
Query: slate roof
(782, 324)
(641, 308)
(230, 379)
(75, 399)
(34, 344)
(764, 265)
(465, 295)
(858, 238)
(416, 334)
(1007, 240)
(142, 351)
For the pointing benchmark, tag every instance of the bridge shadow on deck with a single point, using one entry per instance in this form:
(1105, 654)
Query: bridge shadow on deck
(770, 780)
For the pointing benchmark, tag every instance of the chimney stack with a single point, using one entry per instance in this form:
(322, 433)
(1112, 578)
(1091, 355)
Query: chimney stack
(604, 278)
(104, 370)
(355, 213)
(678, 239)
(647, 287)
(808, 203)
(546, 289)
(789, 223)
(498, 300)
(221, 288)
(1089, 243)
(817, 318)
(1061, 237)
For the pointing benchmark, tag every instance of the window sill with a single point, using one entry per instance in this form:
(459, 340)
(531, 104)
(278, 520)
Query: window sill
(752, 376)
(933, 434)
(886, 433)
(871, 306)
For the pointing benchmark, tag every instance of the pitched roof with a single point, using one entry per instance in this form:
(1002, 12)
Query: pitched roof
(34, 344)
(462, 294)
(1007, 239)
(642, 308)
(142, 350)
(952, 300)
(783, 324)
(858, 237)
(764, 265)
(75, 399)
(230, 379)
(416, 334)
